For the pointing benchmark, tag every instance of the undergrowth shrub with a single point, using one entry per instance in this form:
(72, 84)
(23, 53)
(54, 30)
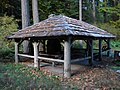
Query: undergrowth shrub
(6, 54)
(111, 28)
(115, 44)
(8, 25)
(115, 24)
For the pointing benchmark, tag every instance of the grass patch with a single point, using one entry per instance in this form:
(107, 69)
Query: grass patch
(117, 65)
(20, 77)
(115, 68)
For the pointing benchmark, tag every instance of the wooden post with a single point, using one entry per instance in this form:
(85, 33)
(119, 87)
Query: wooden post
(36, 62)
(109, 47)
(16, 52)
(44, 49)
(100, 50)
(67, 58)
(87, 48)
(91, 52)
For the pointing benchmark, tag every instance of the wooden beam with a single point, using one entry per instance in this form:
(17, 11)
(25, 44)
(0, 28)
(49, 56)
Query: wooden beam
(21, 41)
(24, 55)
(100, 50)
(16, 52)
(67, 58)
(50, 59)
(42, 58)
(36, 62)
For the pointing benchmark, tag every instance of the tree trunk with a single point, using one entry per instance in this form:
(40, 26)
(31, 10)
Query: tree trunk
(35, 19)
(25, 13)
(80, 10)
(25, 21)
(80, 16)
(35, 11)
(94, 15)
(104, 13)
(105, 17)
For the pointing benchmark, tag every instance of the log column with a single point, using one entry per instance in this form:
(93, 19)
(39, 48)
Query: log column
(44, 49)
(36, 62)
(90, 51)
(109, 47)
(16, 52)
(67, 58)
(87, 48)
(100, 50)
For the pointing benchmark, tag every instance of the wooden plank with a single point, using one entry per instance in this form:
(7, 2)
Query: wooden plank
(24, 55)
(16, 52)
(67, 58)
(50, 59)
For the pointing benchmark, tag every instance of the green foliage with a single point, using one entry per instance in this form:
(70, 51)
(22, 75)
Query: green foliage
(10, 8)
(116, 24)
(111, 28)
(6, 54)
(7, 26)
(87, 11)
(112, 12)
(68, 8)
(116, 67)
(115, 44)
(19, 77)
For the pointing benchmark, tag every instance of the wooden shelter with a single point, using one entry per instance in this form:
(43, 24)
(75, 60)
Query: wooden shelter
(65, 30)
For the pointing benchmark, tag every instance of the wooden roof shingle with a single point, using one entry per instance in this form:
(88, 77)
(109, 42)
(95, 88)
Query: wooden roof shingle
(60, 25)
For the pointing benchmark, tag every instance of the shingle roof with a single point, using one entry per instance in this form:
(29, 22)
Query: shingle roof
(60, 25)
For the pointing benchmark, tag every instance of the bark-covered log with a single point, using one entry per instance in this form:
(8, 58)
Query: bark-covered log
(25, 20)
